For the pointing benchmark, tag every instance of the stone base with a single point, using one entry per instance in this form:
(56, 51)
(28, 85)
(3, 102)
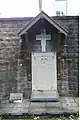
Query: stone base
(44, 96)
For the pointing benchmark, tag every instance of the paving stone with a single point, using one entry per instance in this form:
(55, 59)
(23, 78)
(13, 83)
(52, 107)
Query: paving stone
(36, 111)
(37, 104)
(53, 105)
(71, 109)
(19, 108)
(25, 110)
(70, 106)
(26, 104)
(54, 111)
(76, 100)
(66, 99)
(6, 110)
(69, 99)
(17, 111)
(5, 101)
(7, 105)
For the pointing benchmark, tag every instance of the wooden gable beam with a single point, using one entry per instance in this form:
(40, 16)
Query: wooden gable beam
(43, 15)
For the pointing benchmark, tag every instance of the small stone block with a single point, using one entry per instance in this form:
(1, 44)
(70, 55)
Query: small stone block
(16, 97)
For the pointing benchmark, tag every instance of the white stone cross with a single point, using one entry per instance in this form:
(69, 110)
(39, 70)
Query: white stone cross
(43, 37)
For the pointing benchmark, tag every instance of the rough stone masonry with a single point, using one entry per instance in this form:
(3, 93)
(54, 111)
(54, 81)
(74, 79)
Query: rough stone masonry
(13, 68)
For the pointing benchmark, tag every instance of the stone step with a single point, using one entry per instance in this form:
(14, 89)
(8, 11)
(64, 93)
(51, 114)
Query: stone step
(44, 95)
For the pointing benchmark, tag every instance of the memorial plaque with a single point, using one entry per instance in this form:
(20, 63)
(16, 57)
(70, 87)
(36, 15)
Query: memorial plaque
(44, 77)
(16, 97)
(44, 71)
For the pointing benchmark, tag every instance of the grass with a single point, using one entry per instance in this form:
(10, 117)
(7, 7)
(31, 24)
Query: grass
(62, 117)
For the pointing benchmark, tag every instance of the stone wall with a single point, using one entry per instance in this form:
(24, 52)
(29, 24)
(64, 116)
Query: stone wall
(13, 75)
(70, 55)
(10, 47)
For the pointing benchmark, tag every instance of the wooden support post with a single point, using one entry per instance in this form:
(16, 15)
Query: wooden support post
(28, 57)
(27, 48)
(59, 53)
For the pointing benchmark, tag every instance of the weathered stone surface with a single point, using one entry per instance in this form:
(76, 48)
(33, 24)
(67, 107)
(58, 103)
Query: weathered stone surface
(56, 111)
(6, 105)
(53, 105)
(70, 106)
(76, 100)
(37, 111)
(62, 107)
(37, 105)
(67, 99)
